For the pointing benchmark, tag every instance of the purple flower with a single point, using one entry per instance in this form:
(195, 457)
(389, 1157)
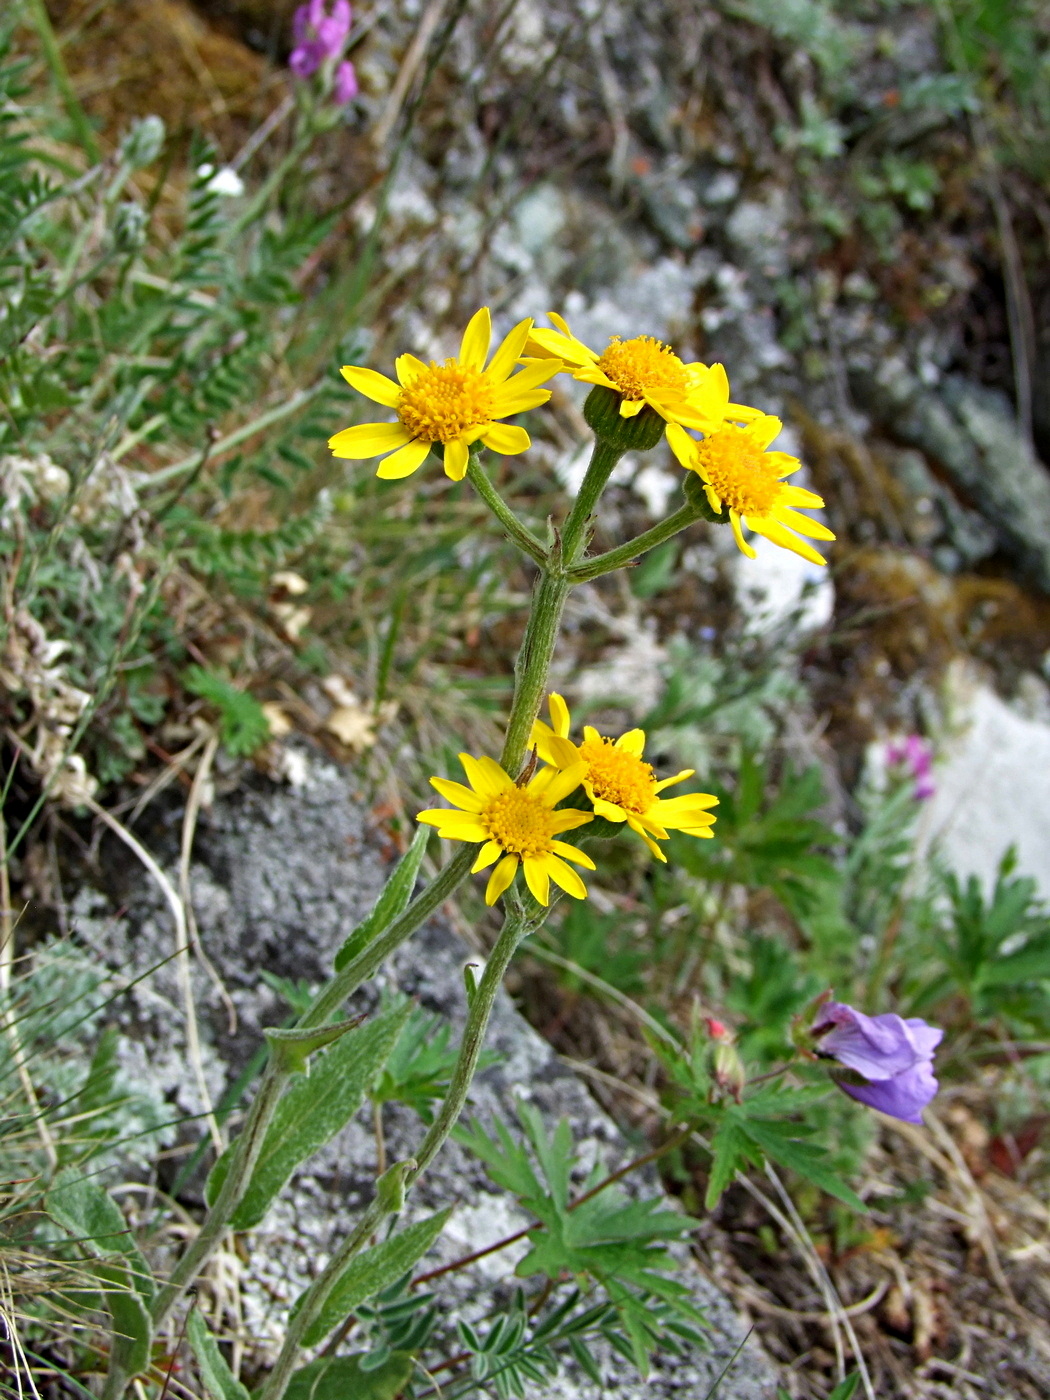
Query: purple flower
(894, 1058)
(344, 87)
(318, 35)
(914, 754)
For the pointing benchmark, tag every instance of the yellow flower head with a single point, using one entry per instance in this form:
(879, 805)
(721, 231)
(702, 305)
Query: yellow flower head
(738, 472)
(644, 371)
(455, 403)
(518, 825)
(619, 782)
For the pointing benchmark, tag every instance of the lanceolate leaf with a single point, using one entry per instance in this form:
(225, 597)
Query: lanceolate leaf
(219, 1380)
(374, 1270)
(342, 1378)
(94, 1220)
(390, 904)
(312, 1111)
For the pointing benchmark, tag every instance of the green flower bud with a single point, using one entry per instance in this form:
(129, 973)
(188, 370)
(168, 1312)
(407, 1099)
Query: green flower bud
(142, 144)
(637, 434)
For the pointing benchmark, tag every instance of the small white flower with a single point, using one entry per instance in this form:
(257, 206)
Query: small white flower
(225, 181)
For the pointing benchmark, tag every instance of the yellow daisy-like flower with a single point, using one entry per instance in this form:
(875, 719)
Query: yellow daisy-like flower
(455, 403)
(518, 825)
(619, 782)
(644, 371)
(738, 472)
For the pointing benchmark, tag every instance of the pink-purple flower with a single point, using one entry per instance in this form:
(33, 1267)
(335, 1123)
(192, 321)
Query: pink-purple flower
(915, 755)
(892, 1057)
(320, 37)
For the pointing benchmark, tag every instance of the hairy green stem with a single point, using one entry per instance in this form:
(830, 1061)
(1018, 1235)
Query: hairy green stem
(625, 553)
(516, 926)
(603, 459)
(533, 664)
(522, 537)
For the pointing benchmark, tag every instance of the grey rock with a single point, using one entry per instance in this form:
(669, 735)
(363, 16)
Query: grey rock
(969, 431)
(280, 876)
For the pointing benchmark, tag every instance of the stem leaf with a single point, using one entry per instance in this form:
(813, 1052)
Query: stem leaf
(312, 1111)
(391, 903)
(370, 1272)
(219, 1380)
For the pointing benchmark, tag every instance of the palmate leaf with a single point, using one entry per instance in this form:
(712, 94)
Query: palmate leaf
(312, 1111)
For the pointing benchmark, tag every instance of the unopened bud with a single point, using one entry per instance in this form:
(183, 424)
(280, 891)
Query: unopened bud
(715, 1029)
(638, 434)
(142, 144)
(727, 1068)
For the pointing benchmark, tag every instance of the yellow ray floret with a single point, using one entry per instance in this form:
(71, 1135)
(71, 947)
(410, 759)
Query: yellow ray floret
(454, 404)
(643, 371)
(618, 781)
(738, 472)
(517, 826)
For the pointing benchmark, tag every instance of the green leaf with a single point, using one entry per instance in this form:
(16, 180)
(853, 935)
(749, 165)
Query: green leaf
(314, 1108)
(344, 1378)
(219, 1380)
(243, 726)
(95, 1221)
(132, 1324)
(805, 1158)
(291, 1049)
(847, 1388)
(391, 903)
(369, 1272)
(730, 1151)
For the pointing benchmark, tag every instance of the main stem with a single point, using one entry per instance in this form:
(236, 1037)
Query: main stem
(516, 926)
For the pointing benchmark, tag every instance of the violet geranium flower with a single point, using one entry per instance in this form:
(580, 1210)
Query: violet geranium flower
(318, 35)
(914, 754)
(893, 1057)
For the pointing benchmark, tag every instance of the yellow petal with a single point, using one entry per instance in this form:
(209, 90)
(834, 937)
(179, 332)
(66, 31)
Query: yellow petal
(804, 524)
(373, 385)
(457, 794)
(561, 345)
(573, 853)
(565, 876)
(681, 444)
(632, 742)
(457, 456)
(491, 851)
(569, 818)
(458, 826)
(738, 535)
(485, 775)
(562, 324)
(799, 496)
(474, 347)
(609, 810)
(713, 499)
(404, 462)
(501, 366)
(591, 734)
(534, 374)
(764, 429)
(559, 713)
(501, 878)
(568, 780)
(537, 879)
(630, 408)
(368, 440)
(670, 782)
(408, 369)
(564, 752)
(506, 406)
(506, 439)
(779, 535)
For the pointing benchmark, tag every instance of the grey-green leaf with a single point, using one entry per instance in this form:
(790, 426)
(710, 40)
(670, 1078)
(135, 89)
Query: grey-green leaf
(312, 1111)
(94, 1220)
(376, 1269)
(291, 1049)
(219, 1380)
(132, 1324)
(391, 903)
(341, 1378)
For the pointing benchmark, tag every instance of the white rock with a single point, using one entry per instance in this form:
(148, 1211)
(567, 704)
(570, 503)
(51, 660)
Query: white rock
(992, 788)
